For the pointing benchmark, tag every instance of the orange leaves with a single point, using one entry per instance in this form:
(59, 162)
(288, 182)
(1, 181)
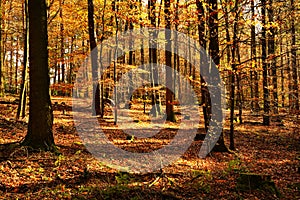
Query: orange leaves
(61, 88)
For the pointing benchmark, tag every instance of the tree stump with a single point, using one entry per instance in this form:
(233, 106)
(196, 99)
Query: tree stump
(250, 181)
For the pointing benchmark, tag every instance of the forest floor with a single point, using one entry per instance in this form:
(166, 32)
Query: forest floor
(75, 174)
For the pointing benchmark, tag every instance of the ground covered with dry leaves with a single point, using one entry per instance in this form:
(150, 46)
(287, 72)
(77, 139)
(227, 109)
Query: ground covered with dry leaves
(76, 174)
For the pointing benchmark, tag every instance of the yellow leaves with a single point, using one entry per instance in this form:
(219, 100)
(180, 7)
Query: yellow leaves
(253, 64)
(273, 25)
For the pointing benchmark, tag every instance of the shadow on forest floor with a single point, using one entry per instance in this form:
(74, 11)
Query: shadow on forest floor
(76, 174)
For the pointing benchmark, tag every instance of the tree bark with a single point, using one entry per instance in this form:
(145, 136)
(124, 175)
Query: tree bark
(255, 105)
(22, 100)
(62, 49)
(266, 117)
(271, 53)
(168, 57)
(39, 134)
(295, 96)
(1, 54)
(94, 56)
(232, 75)
(214, 54)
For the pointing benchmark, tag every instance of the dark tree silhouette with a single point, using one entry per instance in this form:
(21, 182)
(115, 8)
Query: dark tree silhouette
(96, 109)
(39, 135)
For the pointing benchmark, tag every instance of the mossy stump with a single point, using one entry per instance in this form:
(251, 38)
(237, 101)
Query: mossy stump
(251, 181)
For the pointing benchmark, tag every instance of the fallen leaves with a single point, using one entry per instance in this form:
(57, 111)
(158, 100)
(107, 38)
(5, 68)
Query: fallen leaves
(75, 173)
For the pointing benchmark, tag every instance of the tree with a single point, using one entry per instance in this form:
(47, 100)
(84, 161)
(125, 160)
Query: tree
(155, 98)
(22, 100)
(271, 53)
(295, 101)
(266, 117)
(255, 104)
(39, 134)
(233, 74)
(62, 48)
(168, 55)
(214, 53)
(94, 56)
(1, 53)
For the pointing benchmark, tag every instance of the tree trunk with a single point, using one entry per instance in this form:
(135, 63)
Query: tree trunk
(282, 77)
(271, 53)
(266, 117)
(155, 98)
(16, 68)
(94, 56)
(232, 75)
(115, 9)
(254, 64)
(240, 97)
(101, 63)
(1, 54)
(289, 75)
(39, 134)
(22, 100)
(214, 54)
(62, 49)
(205, 98)
(168, 57)
(295, 96)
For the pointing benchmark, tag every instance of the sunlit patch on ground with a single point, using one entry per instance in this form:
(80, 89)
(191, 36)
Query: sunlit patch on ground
(272, 150)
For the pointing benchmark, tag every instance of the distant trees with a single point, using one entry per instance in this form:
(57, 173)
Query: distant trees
(250, 41)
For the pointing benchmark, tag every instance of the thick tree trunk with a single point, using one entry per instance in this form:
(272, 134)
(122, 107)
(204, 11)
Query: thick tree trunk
(39, 135)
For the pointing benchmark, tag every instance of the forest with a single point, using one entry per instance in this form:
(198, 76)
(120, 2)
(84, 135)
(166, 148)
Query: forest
(149, 99)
